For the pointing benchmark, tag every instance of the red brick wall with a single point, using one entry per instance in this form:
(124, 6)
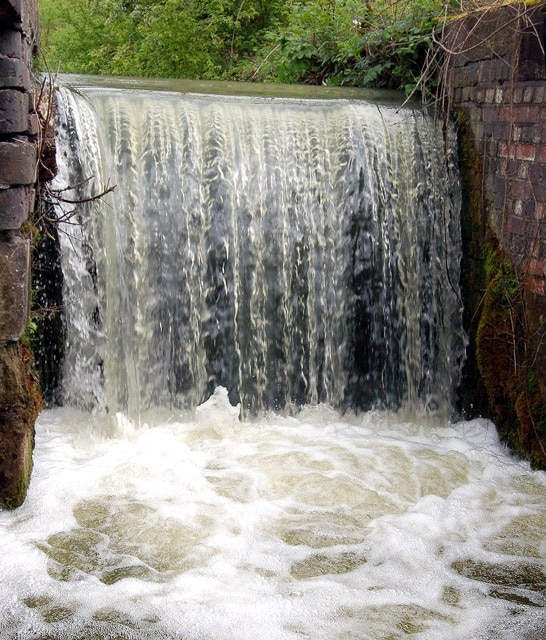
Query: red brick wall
(499, 82)
(495, 84)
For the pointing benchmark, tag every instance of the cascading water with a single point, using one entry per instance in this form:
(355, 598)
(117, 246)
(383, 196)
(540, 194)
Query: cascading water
(291, 252)
(298, 258)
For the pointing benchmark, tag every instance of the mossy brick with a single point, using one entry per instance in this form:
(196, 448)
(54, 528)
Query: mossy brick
(14, 287)
(14, 74)
(15, 205)
(13, 111)
(16, 447)
(18, 162)
(20, 403)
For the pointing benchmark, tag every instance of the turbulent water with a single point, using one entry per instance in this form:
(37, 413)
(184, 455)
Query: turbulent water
(264, 268)
(206, 527)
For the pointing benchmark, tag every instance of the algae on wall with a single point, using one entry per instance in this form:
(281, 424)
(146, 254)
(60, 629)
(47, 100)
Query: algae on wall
(502, 377)
(20, 403)
(507, 351)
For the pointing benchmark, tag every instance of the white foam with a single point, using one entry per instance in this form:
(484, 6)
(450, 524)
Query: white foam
(313, 526)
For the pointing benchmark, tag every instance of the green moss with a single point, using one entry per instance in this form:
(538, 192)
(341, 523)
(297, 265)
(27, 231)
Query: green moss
(502, 376)
(21, 402)
(18, 495)
(505, 352)
(496, 339)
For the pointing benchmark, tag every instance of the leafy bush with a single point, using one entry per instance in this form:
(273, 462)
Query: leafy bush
(381, 43)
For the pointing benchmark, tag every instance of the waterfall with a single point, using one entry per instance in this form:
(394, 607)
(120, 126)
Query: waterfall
(293, 251)
(289, 254)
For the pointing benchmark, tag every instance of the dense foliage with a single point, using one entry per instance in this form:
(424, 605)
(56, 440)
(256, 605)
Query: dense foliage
(381, 43)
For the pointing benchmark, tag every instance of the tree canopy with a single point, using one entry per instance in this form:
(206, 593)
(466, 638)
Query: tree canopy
(380, 43)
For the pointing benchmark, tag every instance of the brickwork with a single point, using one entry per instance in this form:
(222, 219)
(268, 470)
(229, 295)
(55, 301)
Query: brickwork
(499, 83)
(18, 146)
(19, 141)
(495, 83)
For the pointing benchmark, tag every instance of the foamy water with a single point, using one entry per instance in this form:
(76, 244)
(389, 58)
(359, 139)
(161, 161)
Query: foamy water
(316, 526)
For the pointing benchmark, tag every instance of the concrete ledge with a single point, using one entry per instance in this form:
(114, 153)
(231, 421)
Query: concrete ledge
(14, 287)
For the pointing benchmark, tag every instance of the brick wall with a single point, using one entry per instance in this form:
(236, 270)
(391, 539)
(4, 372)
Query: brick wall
(499, 82)
(495, 84)
(19, 143)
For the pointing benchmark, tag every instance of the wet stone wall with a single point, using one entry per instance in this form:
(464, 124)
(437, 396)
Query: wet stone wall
(19, 149)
